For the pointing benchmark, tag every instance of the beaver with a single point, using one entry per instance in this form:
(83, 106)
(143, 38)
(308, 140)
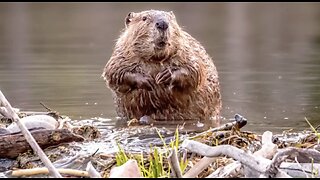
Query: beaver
(159, 70)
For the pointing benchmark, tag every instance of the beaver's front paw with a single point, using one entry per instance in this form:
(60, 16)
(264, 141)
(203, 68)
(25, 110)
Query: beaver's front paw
(141, 81)
(145, 82)
(174, 78)
(164, 77)
(138, 81)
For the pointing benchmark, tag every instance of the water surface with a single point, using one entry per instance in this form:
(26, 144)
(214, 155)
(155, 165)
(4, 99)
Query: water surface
(267, 56)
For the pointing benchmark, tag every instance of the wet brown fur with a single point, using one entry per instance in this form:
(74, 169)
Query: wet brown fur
(177, 82)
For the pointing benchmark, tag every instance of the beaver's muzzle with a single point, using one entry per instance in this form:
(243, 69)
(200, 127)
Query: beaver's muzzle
(162, 25)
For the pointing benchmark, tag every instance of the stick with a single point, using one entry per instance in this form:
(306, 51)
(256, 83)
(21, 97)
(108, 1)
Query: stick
(226, 171)
(46, 107)
(43, 170)
(29, 138)
(174, 163)
(257, 163)
(93, 173)
(199, 167)
(301, 169)
(64, 163)
(4, 112)
(268, 149)
(227, 126)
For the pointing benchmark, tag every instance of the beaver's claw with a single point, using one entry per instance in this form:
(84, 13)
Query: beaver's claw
(164, 77)
(144, 82)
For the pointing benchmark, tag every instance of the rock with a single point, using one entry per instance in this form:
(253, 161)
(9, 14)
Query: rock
(34, 122)
(129, 169)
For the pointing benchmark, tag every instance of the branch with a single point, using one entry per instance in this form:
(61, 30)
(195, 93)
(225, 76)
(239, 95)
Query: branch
(4, 112)
(52, 170)
(199, 167)
(230, 170)
(257, 163)
(238, 123)
(174, 163)
(43, 170)
(93, 173)
(302, 155)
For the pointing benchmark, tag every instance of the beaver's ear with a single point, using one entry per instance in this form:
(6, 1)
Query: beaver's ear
(128, 18)
(172, 14)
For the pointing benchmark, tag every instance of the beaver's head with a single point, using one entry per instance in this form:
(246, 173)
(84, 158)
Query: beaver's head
(152, 34)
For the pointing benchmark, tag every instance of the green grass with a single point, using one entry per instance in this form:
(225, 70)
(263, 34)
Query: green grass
(313, 170)
(121, 156)
(155, 167)
(313, 129)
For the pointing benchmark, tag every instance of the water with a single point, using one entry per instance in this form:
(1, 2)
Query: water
(267, 55)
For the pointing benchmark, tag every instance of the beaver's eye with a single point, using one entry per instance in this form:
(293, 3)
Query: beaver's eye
(144, 18)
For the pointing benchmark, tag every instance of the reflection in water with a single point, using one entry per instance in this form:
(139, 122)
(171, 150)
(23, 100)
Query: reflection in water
(267, 55)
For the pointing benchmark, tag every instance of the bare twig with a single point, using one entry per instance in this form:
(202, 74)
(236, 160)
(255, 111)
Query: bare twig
(303, 155)
(52, 113)
(43, 170)
(301, 169)
(174, 163)
(227, 126)
(52, 170)
(93, 173)
(64, 163)
(257, 163)
(46, 107)
(229, 170)
(199, 167)
(268, 149)
(3, 112)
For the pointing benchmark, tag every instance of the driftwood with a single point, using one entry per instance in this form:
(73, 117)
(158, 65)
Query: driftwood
(4, 112)
(174, 163)
(238, 123)
(92, 172)
(258, 163)
(301, 169)
(298, 154)
(199, 167)
(268, 149)
(230, 170)
(13, 144)
(43, 170)
(66, 162)
(52, 170)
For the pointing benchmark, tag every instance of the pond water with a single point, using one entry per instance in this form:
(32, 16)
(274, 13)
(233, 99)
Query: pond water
(267, 56)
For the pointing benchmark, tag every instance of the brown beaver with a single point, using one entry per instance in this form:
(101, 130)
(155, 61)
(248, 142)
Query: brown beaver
(159, 70)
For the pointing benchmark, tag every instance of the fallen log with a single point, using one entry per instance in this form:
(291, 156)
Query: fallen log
(26, 133)
(12, 145)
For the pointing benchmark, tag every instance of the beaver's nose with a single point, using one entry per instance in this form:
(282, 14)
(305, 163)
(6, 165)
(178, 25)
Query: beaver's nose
(162, 25)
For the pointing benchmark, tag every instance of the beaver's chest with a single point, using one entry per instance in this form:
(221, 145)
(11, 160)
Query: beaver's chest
(153, 68)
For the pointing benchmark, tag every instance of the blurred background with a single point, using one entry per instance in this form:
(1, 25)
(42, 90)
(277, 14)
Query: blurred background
(267, 56)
